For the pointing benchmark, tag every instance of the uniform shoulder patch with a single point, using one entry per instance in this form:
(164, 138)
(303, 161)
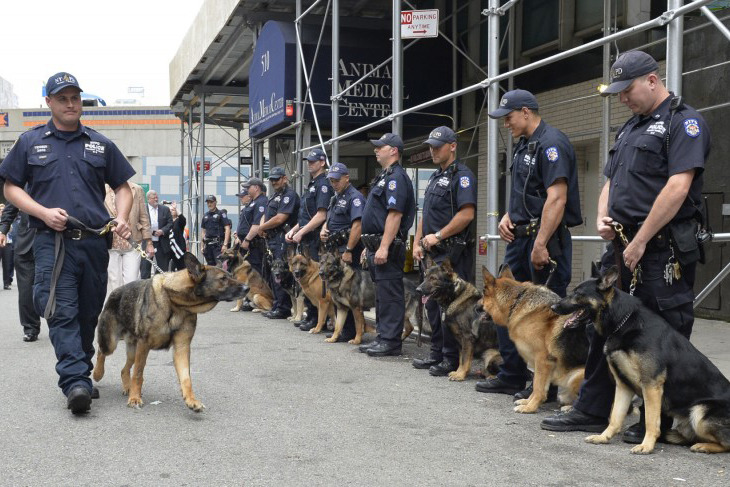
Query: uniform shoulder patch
(356, 202)
(261, 209)
(692, 127)
(552, 154)
(324, 188)
(464, 182)
(392, 185)
(286, 199)
(391, 200)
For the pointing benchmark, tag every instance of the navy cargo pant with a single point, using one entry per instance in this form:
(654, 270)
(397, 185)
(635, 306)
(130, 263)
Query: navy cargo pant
(443, 343)
(282, 301)
(390, 306)
(211, 251)
(80, 293)
(517, 256)
(673, 303)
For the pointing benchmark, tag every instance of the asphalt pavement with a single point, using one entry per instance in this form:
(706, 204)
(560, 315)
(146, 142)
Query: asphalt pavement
(285, 408)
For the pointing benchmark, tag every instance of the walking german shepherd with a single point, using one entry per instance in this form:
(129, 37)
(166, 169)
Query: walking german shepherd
(259, 293)
(153, 314)
(281, 271)
(650, 358)
(460, 303)
(306, 273)
(557, 354)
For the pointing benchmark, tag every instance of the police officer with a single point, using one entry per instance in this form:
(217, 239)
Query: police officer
(345, 215)
(213, 231)
(443, 231)
(281, 215)
(248, 226)
(227, 226)
(388, 215)
(654, 191)
(312, 214)
(544, 201)
(65, 165)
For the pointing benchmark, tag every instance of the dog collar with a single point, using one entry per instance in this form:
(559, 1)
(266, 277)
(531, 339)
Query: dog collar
(623, 322)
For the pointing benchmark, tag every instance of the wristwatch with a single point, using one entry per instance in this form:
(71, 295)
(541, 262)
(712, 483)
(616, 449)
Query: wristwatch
(438, 235)
(348, 249)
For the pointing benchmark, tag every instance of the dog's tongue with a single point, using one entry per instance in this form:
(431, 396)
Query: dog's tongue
(278, 280)
(424, 299)
(571, 319)
(225, 265)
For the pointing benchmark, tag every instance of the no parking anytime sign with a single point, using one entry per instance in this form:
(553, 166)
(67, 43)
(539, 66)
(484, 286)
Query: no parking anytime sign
(415, 24)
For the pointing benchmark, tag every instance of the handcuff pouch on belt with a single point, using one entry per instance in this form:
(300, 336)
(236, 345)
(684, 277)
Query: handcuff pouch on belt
(372, 242)
(452, 246)
(337, 239)
(555, 243)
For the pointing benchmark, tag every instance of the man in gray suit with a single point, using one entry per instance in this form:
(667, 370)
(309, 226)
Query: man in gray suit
(24, 269)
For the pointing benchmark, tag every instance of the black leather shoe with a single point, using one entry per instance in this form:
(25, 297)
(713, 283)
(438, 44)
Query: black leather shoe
(574, 420)
(95, 393)
(384, 349)
(498, 386)
(443, 368)
(266, 314)
(30, 337)
(278, 315)
(78, 400)
(307, 325)
(425, 363)
(367, 346)
(246, 307)
(634, 434)
(552, 394)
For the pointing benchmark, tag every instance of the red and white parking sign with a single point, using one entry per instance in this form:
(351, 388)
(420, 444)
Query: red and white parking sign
(415, 24)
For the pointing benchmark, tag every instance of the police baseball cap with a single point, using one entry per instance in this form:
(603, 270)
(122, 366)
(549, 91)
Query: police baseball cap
(244, 189)
(256, 182)
(337, 171)
(440, 136)
(514, 100)
(277, 173)
(59, 81)
(392, 140)
(211, 197)
(316, 155)
(629, 66)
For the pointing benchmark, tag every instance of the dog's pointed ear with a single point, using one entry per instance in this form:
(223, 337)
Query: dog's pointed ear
(488, 277)
(428, 261)
(446, 264)
(608, 278)
(291, 251)
(193, 265)
(305, 252)
(505, 271)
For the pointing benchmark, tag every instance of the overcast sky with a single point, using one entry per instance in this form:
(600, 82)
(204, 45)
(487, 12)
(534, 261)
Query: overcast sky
(109, 45)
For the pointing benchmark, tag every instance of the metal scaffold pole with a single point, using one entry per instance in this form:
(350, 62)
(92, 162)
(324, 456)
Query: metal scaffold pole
(201, 172)
(397, 104)
(675, 44)
(492, 134)
(335, 78)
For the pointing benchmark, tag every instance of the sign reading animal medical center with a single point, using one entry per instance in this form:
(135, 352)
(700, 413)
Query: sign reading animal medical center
(271, 79)
(416, 24)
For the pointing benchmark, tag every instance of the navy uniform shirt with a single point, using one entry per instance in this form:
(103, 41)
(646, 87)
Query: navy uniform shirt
(346, 208)
(316, 197)
(284, 201)
(251, 215)
(640, 164)
(392, 189)
(447, 192)
(67, 170)
(213, 224)
(553, 158)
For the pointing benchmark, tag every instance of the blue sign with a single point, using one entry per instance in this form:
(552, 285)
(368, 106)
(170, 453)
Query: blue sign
(272, 79)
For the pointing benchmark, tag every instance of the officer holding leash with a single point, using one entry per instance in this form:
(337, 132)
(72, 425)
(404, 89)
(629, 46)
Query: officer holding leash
(544, 202)
(443, 232)
(65, 165)
(213, 231)
(343, 228)
(388, 215)
(652, 197)
(281, 215)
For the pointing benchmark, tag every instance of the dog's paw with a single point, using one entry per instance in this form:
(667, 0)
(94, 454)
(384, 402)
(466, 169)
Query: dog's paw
(597, 439)
(234, 310)
(457, 376)
(135, 402)
(355, 341)
(195, 405)
(520, 402)
(330, 340)
(642, 449)
(314, 331)
(525, 409)
(707, 448)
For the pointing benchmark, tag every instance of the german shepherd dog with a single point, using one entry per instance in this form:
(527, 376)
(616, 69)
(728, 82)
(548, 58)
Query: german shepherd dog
(153, 314)
(555, 353)
(283, 276)
(306, 273)
(260, 293)
(650, 358)
(460, 303)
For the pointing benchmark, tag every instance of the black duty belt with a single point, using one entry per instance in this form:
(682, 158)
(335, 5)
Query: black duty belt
(658, 242)
(371, 241)
(528, 229)
(212, 240)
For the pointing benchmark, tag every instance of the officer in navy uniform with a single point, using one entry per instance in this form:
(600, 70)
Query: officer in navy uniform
(544, 202)
(65, 166)
(449, 208)
(345, 213)
(654, 190)
(281, 215)
(388, 215)
(213, 231)
(248, 229)
(312, 214)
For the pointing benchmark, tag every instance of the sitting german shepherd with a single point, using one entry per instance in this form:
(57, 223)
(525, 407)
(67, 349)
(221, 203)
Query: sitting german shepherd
(650, 358)
(259, 293)
(283, 276)
(555, 352)
(306, 273)
(460, 302)
(152, 314)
